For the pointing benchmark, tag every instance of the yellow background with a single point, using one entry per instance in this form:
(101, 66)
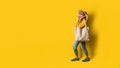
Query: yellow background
(40, 33)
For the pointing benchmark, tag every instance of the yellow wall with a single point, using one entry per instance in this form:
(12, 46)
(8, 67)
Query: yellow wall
(40, 33)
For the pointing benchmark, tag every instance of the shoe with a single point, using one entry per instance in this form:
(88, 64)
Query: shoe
(75, 59)
(86, 60)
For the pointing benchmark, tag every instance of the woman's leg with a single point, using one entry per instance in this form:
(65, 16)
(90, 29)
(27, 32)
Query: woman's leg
(75, 48)
(75, 51)
(83, 47)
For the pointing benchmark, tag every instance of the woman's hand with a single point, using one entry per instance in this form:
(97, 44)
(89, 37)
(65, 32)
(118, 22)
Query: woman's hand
(79, 18)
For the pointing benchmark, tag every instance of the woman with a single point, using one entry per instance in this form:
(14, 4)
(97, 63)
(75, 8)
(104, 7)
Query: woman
(82, 35)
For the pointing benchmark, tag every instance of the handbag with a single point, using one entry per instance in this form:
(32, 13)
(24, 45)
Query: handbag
(82, 34)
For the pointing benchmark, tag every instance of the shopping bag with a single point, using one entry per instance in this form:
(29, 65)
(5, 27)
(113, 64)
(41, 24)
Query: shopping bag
(82, 34)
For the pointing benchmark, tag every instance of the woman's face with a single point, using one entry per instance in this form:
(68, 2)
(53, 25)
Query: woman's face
(81, 13)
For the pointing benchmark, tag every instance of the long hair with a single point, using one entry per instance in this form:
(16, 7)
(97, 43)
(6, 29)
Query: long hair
(86, 15)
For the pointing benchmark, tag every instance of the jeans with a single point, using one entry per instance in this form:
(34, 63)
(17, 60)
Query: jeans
(83, 47)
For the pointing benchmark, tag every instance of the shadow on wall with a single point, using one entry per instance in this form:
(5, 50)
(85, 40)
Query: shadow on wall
(91, 45)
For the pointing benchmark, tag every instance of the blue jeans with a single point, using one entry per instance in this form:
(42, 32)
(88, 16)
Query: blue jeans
(83, 47)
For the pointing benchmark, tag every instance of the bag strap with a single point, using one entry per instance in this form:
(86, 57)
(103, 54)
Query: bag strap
(86, 25)
(85, 22)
